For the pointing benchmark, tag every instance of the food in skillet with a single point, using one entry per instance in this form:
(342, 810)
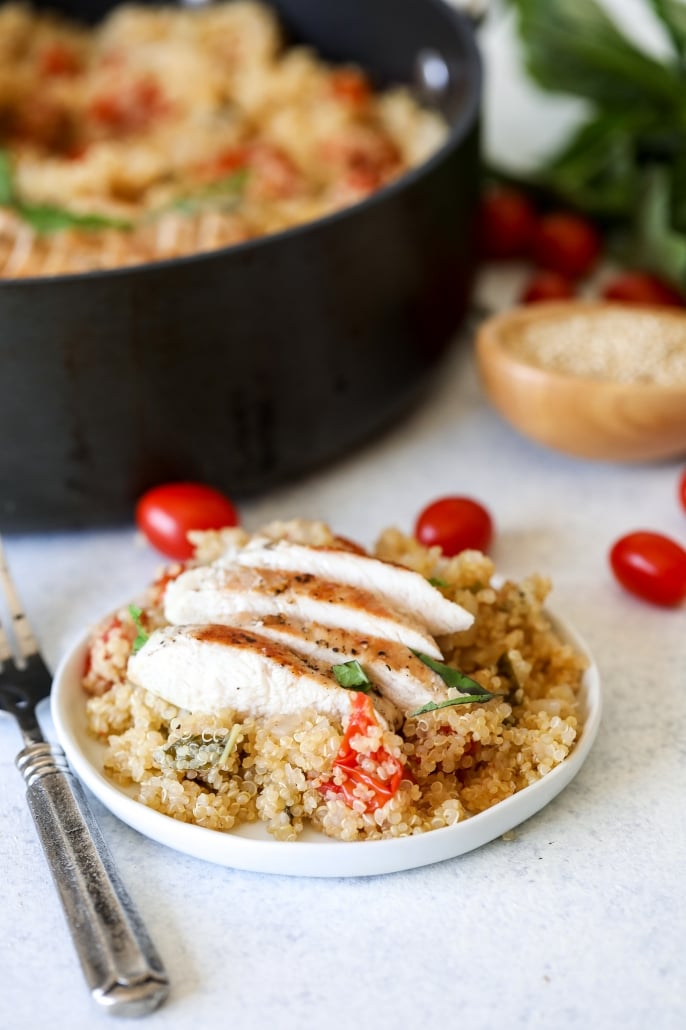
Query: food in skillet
(290, 677)
(170, 131)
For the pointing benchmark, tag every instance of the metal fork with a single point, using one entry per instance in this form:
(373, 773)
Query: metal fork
(121, 965)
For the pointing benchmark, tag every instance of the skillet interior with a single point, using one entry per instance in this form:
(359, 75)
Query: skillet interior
(248, 366)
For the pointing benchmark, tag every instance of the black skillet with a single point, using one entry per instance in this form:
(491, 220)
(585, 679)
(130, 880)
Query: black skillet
(248, 366)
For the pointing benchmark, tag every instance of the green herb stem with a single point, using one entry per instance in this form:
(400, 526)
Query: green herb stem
(143, 636)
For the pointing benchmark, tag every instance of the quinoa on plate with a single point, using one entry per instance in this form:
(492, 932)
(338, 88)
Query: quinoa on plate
(290, 677)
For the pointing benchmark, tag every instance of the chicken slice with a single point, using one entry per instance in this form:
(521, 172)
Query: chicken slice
(211, 593)
(210, 667)
(401, 588)
(392, 668)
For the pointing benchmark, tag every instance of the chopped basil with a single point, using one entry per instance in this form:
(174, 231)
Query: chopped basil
(453, 677)
(6, 184)
(436, 581)
(352, 676)
(198, 752)
(471, 691)
(46, 218)
(223, 194)
(135, 612)
(49, 218)
(465, 699)
(506, 670)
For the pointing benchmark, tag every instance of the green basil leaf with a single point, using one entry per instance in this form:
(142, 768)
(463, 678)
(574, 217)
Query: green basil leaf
(466, 699)
(46, 219)
(596, 170)
(657, 245)
(436, 581)
(6, 182)
(352, 676)
(573, 46)
(224, 193)
(672, 14)
(454, 678)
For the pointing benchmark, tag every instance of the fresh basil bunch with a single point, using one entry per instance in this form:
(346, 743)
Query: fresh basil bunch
(625, 165)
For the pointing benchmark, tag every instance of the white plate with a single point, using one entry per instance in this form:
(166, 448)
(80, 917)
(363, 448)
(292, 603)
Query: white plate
(250, 847)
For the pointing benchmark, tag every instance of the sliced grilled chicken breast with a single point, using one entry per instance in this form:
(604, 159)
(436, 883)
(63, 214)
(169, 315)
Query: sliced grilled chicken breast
(220, 594)
(210, 667)
(400, 676)
(401, 588)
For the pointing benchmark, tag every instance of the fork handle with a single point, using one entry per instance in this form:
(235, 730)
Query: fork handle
(123, 970)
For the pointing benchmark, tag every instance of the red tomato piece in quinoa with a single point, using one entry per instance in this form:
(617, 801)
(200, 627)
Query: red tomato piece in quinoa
(131, 108)
(58, 59)
(351, 87)
(350, 762)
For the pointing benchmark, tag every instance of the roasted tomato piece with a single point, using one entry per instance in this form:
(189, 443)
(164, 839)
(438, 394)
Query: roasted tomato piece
(130, 109)
(59, 59)
(351, 86)
(350, 762)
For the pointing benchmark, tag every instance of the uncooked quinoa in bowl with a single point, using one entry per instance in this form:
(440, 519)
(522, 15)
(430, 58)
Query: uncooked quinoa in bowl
(290, 677)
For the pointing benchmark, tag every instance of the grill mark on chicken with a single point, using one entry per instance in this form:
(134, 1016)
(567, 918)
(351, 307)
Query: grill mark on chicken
(220, 594)
(209, 667)
(400, 676)
(401, 588)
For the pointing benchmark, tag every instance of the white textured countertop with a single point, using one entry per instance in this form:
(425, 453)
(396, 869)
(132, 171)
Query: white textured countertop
(578, 921)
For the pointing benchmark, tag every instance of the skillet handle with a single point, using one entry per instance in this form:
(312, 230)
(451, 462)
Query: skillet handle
(121, 965)
(475, 10)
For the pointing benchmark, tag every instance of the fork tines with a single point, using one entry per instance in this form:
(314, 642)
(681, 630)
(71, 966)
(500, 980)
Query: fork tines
(24, 639)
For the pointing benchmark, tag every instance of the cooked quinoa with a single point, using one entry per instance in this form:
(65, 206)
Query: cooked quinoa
(225, 768)
(177, 130)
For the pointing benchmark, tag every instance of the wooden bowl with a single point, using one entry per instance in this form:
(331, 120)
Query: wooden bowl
(594, 379)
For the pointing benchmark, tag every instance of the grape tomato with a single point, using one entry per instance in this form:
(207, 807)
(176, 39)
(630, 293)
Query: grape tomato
(455, 524)
(650, 566)
(546, 285)
(567, 244)
(166, 513)
(506, 224)
(642, 288)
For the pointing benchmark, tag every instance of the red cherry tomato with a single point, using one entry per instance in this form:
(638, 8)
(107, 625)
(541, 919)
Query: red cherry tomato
(455, 524)
(642, 288)
(548, 286)
(506, 224)
(566, 243)
(682, 490)
(166, 513)
(651, 566)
